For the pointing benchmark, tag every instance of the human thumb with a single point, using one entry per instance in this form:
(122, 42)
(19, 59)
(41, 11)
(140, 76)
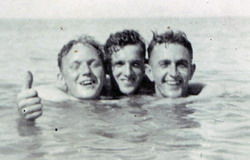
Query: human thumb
(28, 80)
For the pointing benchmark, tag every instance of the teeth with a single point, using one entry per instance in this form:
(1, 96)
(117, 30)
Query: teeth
(127, 80)
(173, 82)
(87, 82)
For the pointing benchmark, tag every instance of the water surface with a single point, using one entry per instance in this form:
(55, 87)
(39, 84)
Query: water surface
(136, 128)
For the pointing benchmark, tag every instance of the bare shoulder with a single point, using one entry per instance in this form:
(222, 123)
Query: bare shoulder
(212, 90)
(195, 88)
(52, 93)
(202, 91)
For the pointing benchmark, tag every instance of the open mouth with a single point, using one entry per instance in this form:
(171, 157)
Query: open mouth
(87, 82)
(173, 82)
(127, 81)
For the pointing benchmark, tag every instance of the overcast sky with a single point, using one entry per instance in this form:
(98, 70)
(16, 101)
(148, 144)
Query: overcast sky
(122, 8)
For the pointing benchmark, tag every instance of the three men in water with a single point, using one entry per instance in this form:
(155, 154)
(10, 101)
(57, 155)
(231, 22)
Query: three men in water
(82, 71)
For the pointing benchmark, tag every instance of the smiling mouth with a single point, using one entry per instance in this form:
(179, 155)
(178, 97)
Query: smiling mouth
(173, 82)
(87, 82)
(127, 81)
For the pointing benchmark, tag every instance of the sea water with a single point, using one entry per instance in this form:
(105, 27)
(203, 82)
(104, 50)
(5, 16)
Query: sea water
(134, 128)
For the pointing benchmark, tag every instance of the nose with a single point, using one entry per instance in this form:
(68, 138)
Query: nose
(85, 69)
(173, 71)
(127, 70)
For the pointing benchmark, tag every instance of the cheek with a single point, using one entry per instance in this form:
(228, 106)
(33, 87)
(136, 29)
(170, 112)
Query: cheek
(70, 75)
(158, 77)
(138, 72)
(98, 72)
(116, 71)
(185, 74)
(158, 73)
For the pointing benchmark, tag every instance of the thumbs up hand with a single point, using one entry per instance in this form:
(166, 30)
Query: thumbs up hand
(29, 103)
(28, 80)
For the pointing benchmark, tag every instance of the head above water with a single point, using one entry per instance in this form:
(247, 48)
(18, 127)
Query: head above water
(81, 67)
(170, 63)
(84, 40)
(125, 52)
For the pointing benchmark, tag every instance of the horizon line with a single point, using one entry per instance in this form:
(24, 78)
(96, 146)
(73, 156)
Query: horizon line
(150, 17)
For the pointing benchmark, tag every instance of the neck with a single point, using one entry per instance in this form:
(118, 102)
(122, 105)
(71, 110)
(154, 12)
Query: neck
(183, 94)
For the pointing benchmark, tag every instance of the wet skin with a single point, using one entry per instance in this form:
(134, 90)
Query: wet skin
(128, 68)
(82, 72)
(170, 67)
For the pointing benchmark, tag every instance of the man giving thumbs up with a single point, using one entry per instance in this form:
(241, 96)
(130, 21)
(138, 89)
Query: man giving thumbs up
(29, 104)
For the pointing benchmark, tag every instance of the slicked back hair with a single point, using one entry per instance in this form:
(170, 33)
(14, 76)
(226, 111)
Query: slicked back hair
(85, 40)
(170, 37)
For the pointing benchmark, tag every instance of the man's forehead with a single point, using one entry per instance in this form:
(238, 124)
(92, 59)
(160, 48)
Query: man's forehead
(82, 47)
(81, 53)
(172, 52)
(129, 50)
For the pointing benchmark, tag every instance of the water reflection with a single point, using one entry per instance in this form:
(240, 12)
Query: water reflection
(27, 128)
(30, 141)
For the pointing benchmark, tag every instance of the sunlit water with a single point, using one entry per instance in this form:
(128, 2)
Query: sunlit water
(136, 128)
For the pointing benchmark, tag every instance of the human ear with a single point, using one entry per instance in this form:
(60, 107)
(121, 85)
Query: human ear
(193, 67)
(62, 82)
(149, 73)
(61, 79)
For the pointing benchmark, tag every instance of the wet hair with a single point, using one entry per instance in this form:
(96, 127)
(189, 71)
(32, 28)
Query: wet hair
(114, 43)
(121, 39)
(171, 37)
(85, 40)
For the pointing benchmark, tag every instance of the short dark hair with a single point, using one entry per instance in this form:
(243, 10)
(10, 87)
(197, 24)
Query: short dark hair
(170, 36)
(85, 40)
(122, 39)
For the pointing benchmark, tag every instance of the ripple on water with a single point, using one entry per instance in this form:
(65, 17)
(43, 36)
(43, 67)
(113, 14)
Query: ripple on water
(130, 129)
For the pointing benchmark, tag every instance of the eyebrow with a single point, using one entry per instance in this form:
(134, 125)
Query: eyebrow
(116, 61)
(165, 60)
(89, 61)
(178, 61)
(121, 60)
(137, 61)
(75, 61)
(182, 61)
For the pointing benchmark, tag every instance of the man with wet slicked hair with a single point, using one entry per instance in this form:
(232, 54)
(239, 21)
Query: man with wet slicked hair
(170, 64)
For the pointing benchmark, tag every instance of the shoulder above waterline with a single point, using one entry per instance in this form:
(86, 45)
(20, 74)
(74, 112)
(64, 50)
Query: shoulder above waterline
(52, 93)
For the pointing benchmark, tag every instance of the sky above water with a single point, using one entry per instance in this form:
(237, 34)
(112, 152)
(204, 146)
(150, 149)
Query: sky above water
(122, 8)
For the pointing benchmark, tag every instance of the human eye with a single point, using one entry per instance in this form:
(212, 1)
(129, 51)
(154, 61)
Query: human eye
(118, 64)
(182, 64)
(136, 64)
(95, 63)
(164, 64)
(75, 66)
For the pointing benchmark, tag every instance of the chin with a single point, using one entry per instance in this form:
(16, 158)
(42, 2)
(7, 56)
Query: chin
(172, 94)
(88, 95)
(128, 92)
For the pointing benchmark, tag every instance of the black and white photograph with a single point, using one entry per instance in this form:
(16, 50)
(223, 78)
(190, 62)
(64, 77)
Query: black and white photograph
(125, 80)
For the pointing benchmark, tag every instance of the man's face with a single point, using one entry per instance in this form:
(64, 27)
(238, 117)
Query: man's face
(128, 68)
(83, 72)
(170, 67)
